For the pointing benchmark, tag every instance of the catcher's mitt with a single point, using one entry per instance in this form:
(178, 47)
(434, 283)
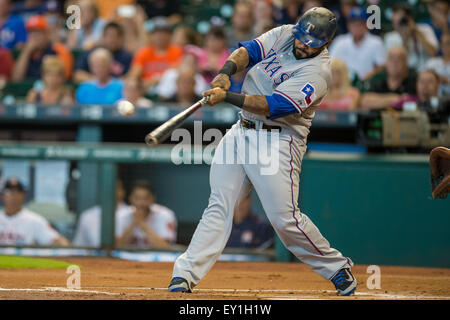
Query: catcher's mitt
(440, 172)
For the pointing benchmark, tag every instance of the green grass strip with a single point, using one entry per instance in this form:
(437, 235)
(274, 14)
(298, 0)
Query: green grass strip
(15, 262)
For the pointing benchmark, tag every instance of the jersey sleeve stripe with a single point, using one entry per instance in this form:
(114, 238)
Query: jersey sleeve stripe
(290, 99)
(254, 51)
(262, 48)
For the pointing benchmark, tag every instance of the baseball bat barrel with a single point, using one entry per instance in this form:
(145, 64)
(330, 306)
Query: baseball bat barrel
(161, 133)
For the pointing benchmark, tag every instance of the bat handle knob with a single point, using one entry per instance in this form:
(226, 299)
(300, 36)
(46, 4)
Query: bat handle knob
(151, 140)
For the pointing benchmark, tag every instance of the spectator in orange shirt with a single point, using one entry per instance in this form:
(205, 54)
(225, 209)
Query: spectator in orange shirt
(38, 45)
(150, 62)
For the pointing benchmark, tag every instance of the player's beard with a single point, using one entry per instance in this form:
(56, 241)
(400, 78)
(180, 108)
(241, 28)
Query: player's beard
(301, 54)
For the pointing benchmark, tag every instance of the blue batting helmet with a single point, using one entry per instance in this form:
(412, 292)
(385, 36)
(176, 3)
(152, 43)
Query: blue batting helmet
(315, 27)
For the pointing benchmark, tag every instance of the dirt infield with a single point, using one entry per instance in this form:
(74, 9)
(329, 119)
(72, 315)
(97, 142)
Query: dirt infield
(118, 279)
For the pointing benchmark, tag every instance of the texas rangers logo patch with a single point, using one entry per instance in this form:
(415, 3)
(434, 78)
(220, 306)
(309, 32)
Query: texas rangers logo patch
(308, 90)
(309, 27)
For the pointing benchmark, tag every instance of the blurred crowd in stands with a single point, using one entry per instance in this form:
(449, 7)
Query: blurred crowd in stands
(140, 222)
(147, 51)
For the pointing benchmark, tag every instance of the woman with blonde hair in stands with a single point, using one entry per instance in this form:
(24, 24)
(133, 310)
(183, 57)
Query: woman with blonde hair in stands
(341, 95)
(54, 91)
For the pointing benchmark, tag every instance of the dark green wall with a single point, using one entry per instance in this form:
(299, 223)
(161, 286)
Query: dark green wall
(376, 210)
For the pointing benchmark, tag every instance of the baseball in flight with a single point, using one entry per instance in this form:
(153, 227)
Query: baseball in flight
(125, 108)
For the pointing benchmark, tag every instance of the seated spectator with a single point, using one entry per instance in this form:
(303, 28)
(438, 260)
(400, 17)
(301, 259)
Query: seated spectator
(341, 96)
(288, 13)
(28, 8)
(241, 28)
(439, 20)
(249, 230)
(362, 52)
(147, 224)
(263, 15)
(214, 54)
(427, 98)
(441, 65)
(103, 88)
(309, 4)
(12, 29)
(427, 87)
(112, 40)
(150, 62)
(132, 20)
(167, 86)
(134, 92)
(342, 11)
(169, 9)
(6, 66)
(54, 14)
(20, 226)
(398, 81)
(184, 35)
(89, 223)
(418, 39)
(54, 92)
(29, 63)
(185, 88)
(90, 33)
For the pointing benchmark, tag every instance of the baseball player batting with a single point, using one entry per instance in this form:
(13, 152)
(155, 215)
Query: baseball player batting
(289, 74)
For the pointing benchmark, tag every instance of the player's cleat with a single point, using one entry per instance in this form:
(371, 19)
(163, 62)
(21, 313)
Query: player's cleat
(344, 281)
(179, 285)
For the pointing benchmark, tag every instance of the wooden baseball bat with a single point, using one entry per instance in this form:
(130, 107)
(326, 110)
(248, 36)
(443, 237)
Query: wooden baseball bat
(161, 133)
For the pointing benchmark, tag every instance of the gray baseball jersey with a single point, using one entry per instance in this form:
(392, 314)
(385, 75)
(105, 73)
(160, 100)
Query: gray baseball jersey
(293, 87)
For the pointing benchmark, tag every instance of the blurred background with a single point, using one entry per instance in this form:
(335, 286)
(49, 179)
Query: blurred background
(75, 173)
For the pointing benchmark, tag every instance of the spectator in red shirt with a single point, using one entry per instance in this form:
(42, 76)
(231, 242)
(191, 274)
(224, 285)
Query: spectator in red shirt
(150, 62)
(6, 66)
